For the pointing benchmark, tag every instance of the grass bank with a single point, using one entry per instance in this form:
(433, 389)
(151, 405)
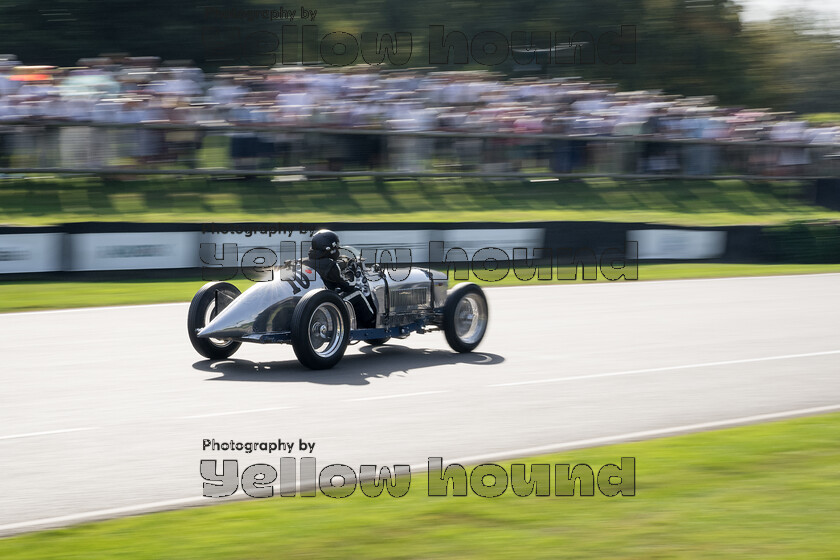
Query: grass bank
(45, 201)
(34, 295)
(763, 491)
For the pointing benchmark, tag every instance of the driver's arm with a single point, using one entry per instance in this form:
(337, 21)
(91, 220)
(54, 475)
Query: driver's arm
(332, 275)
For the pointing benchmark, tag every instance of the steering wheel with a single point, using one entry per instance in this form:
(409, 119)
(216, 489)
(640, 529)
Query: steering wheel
(348, 267)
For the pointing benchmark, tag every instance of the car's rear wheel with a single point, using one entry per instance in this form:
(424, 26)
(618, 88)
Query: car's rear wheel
(320, 329)
(465, 317)
(208, 302)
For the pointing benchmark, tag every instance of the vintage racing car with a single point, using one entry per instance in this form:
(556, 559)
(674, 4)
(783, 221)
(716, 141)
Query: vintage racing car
(295, 307)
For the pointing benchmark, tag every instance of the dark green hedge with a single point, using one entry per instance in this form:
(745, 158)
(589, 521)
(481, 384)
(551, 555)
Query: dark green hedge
(802, 242)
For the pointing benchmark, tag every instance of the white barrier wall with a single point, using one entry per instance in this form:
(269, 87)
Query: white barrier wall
(30, 252)
(45, 252)
(678, 243)
(470, 240)
(42, 252)
(277, 241)
(367, 241)
(134, 250)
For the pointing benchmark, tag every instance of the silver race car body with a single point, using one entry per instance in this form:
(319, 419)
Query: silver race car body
(296, 307)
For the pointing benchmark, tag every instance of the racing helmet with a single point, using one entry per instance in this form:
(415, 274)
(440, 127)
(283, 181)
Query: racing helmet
(325, 243)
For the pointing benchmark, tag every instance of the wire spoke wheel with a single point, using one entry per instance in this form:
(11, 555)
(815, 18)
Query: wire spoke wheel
(471, 318)
(326, 330)
(320, 329)
(203, 309)
(465, 317)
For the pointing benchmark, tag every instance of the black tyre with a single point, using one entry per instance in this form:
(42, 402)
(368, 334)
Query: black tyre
(208, 302)
(320, 329)
(377, 341)
(465, 317)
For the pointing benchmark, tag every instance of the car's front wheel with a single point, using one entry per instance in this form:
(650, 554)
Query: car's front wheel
(208, 302)
(465, 317)
(320, 329)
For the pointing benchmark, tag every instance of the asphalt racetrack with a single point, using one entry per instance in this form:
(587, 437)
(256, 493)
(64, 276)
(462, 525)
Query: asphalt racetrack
(103, 411)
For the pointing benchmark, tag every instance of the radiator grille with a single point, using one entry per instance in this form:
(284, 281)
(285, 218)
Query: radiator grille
(409, 299)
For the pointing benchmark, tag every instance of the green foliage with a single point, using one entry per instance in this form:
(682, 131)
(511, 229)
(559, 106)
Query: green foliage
(803, 242)
(682, 46)
(794, 64)
(68, 30)
(822, 118)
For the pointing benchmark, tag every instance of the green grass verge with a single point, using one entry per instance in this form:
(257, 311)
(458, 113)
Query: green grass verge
(33, 295)
(722, 202)
(763, 491)
(821, 118)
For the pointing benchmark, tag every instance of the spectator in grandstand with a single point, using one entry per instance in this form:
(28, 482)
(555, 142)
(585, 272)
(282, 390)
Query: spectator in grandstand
(141, 89)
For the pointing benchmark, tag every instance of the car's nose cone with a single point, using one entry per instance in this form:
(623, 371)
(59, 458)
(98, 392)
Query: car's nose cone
(233, 322)
(264, 307)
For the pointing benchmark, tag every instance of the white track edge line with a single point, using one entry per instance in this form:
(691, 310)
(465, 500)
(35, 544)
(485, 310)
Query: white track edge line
(46, 433)
(230, 413)
(381, 397)
(666, 368)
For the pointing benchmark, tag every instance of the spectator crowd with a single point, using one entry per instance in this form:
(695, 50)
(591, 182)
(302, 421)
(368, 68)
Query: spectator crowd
(139, 90)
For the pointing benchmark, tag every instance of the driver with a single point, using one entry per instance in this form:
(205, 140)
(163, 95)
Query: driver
(323, 257)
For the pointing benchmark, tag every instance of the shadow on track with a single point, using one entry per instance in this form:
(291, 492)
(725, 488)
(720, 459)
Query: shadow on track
(355, 369)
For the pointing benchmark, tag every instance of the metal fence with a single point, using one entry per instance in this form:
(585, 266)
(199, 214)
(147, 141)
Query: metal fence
(60, 147)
